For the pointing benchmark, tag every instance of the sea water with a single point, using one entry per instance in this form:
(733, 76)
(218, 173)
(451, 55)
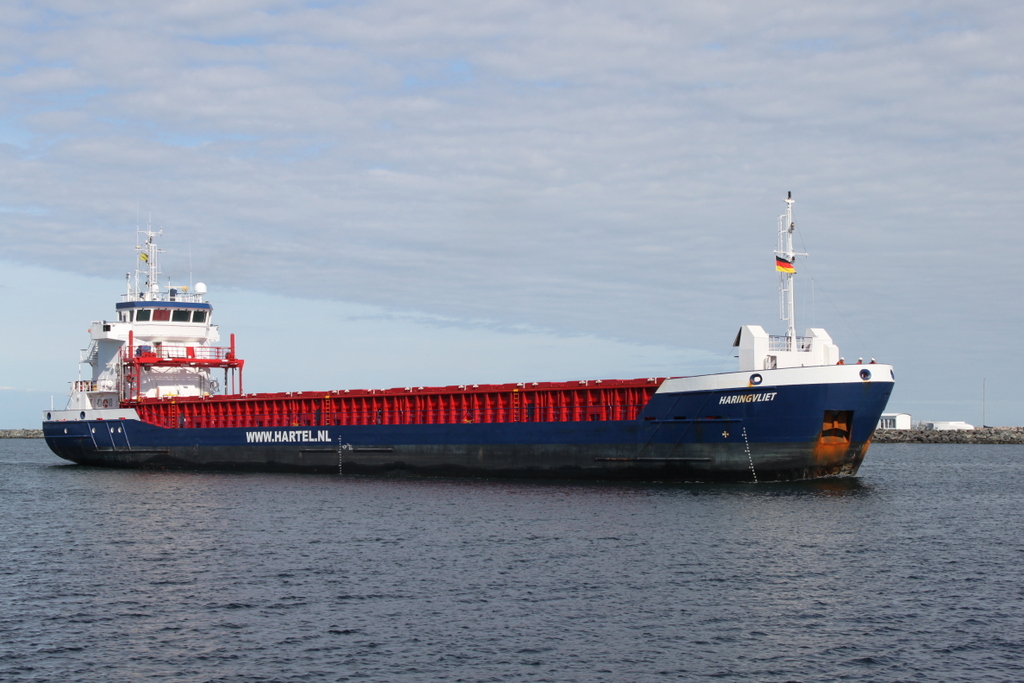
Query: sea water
(911, 571)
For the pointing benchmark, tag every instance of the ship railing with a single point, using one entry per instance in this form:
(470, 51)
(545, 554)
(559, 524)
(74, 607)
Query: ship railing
(169, 351)
(780, 342)
(165, 296)
(158, 414)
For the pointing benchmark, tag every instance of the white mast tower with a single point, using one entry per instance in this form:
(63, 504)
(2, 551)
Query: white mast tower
(149, 254)
(785, 263)
(759, 350)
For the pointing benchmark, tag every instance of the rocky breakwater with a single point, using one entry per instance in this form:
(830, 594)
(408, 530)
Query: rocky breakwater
(21, 433)
(980, 435)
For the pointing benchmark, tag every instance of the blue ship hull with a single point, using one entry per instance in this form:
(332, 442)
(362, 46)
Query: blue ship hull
(734, 433)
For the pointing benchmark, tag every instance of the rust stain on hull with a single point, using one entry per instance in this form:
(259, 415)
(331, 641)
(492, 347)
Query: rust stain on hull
(834, 448)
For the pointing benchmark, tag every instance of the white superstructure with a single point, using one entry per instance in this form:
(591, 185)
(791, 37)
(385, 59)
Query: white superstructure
(161, 344)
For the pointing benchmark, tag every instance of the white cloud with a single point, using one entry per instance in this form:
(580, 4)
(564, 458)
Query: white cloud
(582, 167)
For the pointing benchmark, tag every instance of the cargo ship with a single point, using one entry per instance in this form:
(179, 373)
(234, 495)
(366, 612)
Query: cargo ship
(164, 392)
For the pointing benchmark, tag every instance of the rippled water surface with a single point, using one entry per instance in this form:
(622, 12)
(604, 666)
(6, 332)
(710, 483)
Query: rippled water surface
(913, 571)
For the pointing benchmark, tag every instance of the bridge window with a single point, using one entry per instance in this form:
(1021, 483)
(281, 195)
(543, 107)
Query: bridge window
(181, 316)
(199, 317)
(161, 315)
(142, 315)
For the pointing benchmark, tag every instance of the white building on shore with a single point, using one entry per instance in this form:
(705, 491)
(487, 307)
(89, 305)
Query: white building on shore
(894, 421)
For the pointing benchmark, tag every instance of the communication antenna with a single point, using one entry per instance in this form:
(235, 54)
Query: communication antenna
(983, 401)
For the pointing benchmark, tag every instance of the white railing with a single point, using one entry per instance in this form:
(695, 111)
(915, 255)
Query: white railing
(779, 342)
(165, 296)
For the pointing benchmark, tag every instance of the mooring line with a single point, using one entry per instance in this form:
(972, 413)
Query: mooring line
(750, 458)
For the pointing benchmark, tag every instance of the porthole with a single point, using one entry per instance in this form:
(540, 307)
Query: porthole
(756, 379)
(81, 415)
(865, 374)
(48, 416)
(93, 430)
(892, 373)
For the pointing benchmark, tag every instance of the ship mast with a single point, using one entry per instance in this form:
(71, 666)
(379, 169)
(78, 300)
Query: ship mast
(149, 266)
(785, 263)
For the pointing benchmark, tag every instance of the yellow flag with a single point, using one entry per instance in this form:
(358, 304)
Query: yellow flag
(144, 257)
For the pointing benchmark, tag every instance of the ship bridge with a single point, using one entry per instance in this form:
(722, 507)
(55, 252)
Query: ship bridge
(161, 344)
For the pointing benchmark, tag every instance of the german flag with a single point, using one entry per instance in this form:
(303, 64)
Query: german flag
(784, 266)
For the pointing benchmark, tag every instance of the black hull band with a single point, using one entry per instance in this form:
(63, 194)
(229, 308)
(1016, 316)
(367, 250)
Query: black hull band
(692, 463)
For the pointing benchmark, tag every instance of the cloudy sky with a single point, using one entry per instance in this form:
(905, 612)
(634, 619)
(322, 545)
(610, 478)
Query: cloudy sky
(400, 192)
